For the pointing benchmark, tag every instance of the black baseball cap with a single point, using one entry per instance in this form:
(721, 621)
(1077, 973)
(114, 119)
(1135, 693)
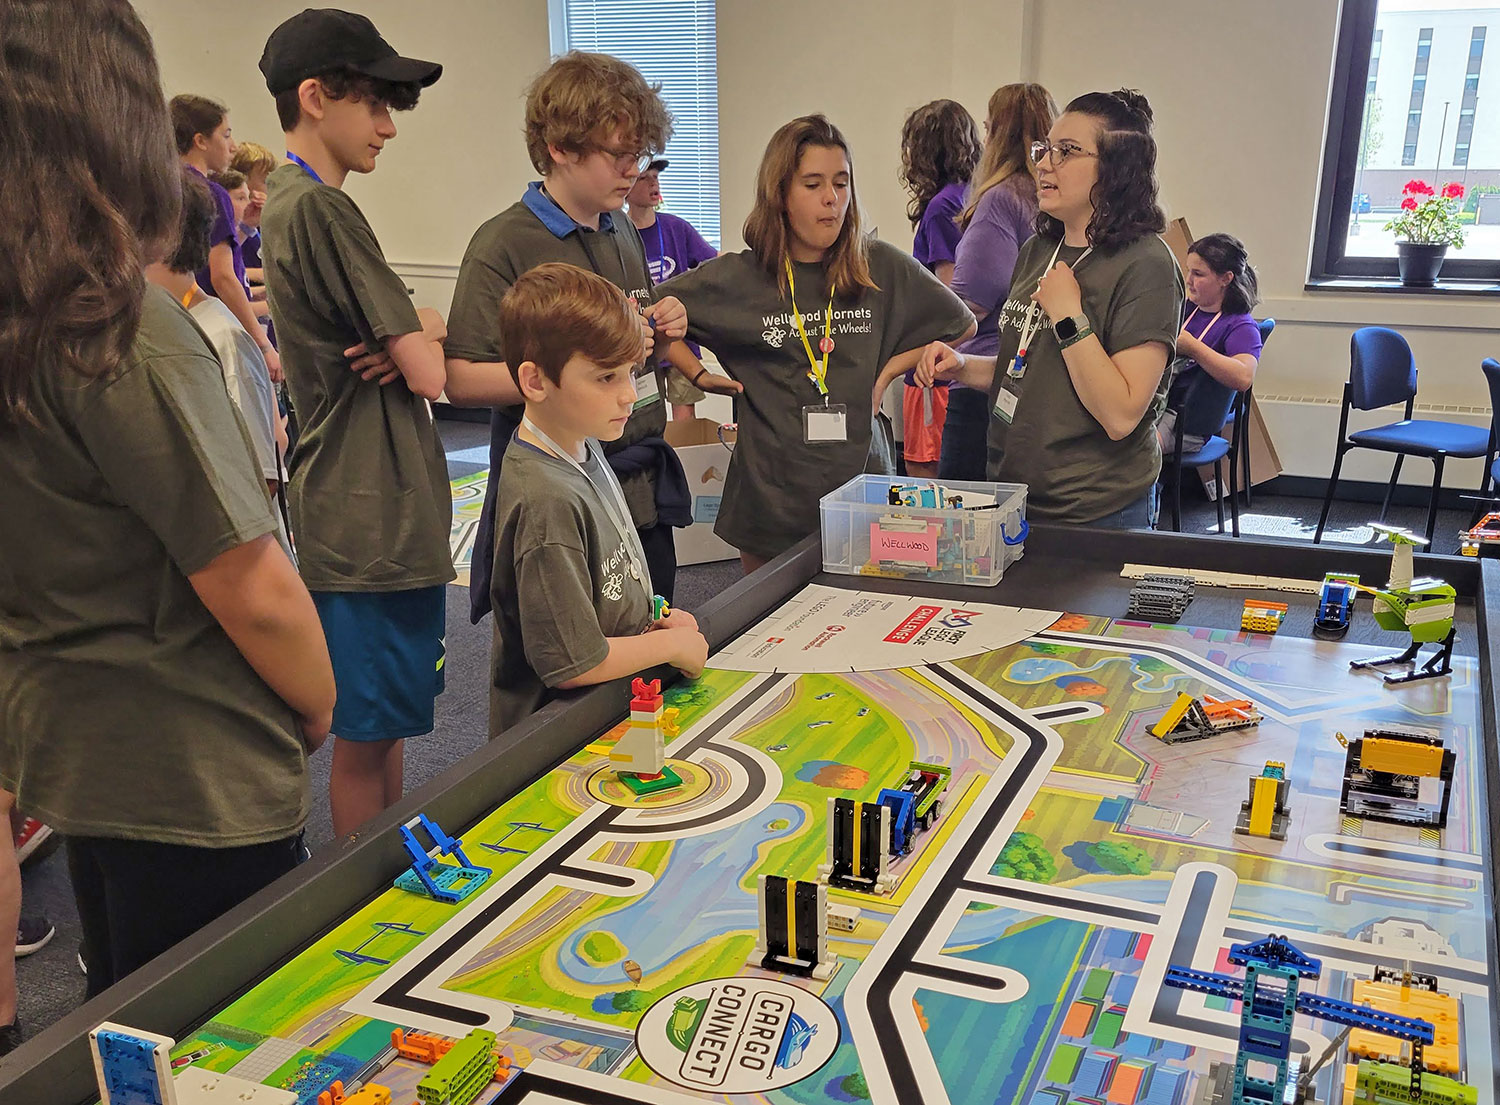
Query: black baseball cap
(657, 165)
(322, 39)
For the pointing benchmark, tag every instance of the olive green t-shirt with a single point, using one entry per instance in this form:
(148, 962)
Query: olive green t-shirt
(1074, 472)
(738, 310)
(368, 495)
(561, 581)
(510, 245)
(125, 710)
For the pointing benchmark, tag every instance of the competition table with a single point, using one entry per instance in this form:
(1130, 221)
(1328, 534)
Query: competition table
(1063, 570)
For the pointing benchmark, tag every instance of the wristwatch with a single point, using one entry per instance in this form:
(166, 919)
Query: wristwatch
(1069, 329)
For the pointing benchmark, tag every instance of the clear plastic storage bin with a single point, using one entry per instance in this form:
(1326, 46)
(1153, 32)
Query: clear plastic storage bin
(925, 536)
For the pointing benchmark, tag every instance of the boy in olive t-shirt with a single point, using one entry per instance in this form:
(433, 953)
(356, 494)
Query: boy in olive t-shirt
(573, 593)
(368, 494)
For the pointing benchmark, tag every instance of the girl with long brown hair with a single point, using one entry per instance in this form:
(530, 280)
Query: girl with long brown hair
(998, 218)
(162, 673)
(939, 149)
(814, 319)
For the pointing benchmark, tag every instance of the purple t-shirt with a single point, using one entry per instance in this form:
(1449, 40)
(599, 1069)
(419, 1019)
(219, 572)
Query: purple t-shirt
(224, 228)
(674, 246)
(937, 232)
(1230, 335)
(1004, 219)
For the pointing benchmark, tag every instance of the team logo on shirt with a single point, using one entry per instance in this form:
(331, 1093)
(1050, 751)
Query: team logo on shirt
(614, 587)
(774, 336)
(662, 268)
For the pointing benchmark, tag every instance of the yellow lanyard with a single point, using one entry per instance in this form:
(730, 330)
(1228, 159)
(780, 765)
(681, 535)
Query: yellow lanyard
(817, 371)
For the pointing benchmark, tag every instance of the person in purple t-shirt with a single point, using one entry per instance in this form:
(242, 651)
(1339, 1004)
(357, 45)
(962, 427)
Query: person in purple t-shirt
(205, 144)
(1000, 216)
(1218, 350)
(939, 149)
(673, 245)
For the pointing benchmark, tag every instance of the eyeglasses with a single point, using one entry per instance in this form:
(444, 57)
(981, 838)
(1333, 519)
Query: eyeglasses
(1060, 152)
(627, 159)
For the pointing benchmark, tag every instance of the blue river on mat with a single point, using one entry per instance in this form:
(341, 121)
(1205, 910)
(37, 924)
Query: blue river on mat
(697, 898)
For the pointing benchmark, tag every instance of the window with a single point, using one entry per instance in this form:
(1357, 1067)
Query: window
(1441, 127)
(673, 43)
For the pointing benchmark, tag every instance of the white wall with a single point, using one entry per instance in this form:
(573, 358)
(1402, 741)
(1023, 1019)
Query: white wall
(1240, 94)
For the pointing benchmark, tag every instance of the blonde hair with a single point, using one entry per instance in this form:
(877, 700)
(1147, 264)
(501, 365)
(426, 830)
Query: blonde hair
(581, 98)
(557, 311)
(251, 157)
(1018, 115)
(766, 232)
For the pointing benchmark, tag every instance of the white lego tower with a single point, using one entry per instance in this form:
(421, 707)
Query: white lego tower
(643, 748)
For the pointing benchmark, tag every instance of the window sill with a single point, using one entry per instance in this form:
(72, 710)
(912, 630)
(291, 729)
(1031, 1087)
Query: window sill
(1389, 285)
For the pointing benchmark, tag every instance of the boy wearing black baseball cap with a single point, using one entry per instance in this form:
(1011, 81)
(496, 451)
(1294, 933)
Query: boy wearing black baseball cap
(368, 494)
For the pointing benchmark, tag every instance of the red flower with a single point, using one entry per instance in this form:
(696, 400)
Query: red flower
(1453, 190)
(1417, 188)
(1409, 203)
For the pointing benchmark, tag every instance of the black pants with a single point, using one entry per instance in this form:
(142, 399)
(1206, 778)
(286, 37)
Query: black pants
(966, 431)
(661, 557)
(137, 898)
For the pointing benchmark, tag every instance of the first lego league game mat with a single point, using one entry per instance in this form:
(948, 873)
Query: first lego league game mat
(1020, 956)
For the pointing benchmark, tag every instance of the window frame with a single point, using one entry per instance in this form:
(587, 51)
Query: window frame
(1339, 169)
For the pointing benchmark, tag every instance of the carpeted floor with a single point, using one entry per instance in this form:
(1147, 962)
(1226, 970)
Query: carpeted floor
(50, 982)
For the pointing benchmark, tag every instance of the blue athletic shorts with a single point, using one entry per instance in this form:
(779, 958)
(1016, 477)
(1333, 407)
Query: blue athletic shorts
(387, 650)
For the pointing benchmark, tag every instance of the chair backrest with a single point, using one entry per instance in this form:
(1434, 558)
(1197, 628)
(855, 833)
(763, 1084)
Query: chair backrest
(1491, 369)
(1265, 325)
(1382, 370)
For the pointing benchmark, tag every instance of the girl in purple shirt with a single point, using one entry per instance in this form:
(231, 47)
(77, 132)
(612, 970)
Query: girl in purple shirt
(999, 217)
(939, 149)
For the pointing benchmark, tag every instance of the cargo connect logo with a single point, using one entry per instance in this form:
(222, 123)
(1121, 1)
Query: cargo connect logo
(737, 1035)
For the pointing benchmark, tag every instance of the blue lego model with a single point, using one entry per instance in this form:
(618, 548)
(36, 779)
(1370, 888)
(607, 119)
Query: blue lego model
(1269, 999)
(1335, 604)
(432, 878)
(133, 1067)
(903, 819)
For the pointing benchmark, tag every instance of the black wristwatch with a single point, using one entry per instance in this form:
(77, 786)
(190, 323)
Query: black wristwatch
(1069, 328)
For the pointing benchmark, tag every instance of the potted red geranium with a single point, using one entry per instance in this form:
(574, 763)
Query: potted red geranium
(1427, 225)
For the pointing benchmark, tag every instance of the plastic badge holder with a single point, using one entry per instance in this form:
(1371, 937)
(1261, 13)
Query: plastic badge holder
(865, 534)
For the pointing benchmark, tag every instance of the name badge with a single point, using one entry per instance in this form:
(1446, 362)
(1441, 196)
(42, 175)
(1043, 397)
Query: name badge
(825, 425)
(1005, 405)
(647, 390)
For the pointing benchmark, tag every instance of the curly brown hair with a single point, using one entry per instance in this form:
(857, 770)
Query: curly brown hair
(1124, 196)
(581, 98)
(91, 186)
(939, 147)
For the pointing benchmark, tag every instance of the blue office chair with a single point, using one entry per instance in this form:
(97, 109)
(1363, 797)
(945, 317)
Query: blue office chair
(1216, 406)
(1240, 455)
(1382, 372)
(1490, 483)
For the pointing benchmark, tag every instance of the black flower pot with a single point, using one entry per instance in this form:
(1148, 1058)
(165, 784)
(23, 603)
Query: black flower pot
(1419, 263)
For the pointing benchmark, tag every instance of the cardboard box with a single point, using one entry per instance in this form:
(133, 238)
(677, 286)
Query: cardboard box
(705, 459)
(1179, 237)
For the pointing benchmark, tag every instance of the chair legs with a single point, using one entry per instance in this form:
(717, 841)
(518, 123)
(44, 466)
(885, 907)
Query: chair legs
(1333, 483)
(1245, 448)
(1219, 492)
(1432, 502)
(1177, 499)
(1390, 488)
(1234, 486)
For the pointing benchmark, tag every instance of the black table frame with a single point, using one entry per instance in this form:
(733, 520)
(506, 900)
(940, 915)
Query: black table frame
(1064, 568)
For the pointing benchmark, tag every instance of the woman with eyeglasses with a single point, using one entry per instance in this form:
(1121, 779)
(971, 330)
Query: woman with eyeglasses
(995, 223)
(1087, 330)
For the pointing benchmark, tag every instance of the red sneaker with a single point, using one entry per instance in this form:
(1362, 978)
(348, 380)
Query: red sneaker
(32, 836)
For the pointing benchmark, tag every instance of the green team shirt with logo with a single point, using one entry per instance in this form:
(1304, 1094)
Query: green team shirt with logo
(738, 310)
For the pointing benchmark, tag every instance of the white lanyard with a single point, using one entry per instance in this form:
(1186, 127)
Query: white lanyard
(1034, 313)
(614, 503)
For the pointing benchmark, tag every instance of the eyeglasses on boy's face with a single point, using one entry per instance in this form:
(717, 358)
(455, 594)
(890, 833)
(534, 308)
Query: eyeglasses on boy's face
(1060, 151)
(625, 160)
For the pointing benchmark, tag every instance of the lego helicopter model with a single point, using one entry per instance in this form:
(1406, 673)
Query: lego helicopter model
(1422, 608)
